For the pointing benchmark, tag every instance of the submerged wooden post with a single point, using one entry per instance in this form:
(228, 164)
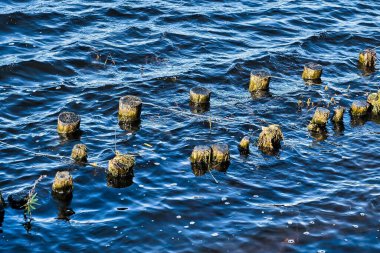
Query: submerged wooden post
(68, 122)
(319, 120)
(63, 185)
(374, 100)
(270, 138)
(367, 58)
(121, 166)
(220, 156)
(359, 108)
(2, 203)
(259, 81)
(18, 199)
(312, 71)
(130, 108)
(338, 114)
(79, 153)
(244, 145)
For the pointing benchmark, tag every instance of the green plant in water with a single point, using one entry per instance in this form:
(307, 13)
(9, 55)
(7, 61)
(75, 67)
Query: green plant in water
(32, 201)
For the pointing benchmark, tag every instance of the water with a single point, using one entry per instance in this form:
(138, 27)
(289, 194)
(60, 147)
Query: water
(314, 196)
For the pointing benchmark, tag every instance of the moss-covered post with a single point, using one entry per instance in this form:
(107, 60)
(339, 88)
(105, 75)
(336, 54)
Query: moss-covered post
(63, 185)
(359, 108)
(367, 58)
(199, 99)
(121, 166)
(270, 139)
(220, 154)
(338, 114)
(130, 109)
(79, 153)
(68, 122)
(312, 71)
(374, 100)
(244, 145)
(200, 159)
(319, 120)
(259, 81)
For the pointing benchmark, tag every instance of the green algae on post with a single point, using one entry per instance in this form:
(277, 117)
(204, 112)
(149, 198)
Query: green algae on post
(319, 120)
(374, 100)
(312, 71)
(244, 145)
(68, 122)
(338, 114)
(79, 153)
(270, 138)
(121, 166)
(130, 108)
(359, 108)
(367, 58)
(62, 187)
(259, 81)
(220, 155)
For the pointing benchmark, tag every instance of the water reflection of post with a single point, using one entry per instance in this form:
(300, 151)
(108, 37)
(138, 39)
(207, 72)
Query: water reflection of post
(64, 209)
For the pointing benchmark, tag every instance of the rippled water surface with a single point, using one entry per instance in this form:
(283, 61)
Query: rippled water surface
(82, 56)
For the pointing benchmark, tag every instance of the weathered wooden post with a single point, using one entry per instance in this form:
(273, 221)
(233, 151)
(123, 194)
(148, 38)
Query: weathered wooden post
(359, 108)
(79, 153)
(374, 100)
(199, 99)
(338, 114)
(319, 120)
(220, 154)
(201, 159)
(244, 145)
(68, 122)
(259, 81)
(63, 185)
(312, 71)
(270, 139)
(130, 109)
(367, 58)
(121, 166)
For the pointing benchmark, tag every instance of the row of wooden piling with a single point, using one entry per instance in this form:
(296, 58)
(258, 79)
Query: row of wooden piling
(216, 156)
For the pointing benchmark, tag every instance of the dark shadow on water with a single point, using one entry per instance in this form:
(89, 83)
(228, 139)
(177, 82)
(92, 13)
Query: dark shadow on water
(338, 128)
(366, 71)
(119, 182)
(64, 209)
(70, 136)
(271, 152)
(130, 127)
(320, 135)
(260, 94)
(199, 108)
(313, 81)
(357, 121)
(2, 213)
(221, 167)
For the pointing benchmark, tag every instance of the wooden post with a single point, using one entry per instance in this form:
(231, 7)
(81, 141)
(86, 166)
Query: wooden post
(220, 157)
(367, 58)
(68, 122)
(62, 187)
(374, 100)
(200, 96)
(121, 166)
(79, 153)
(244, 145)
(200, 159)
(312, 71)
(319, 120)
(259, 81)
(359, 108)
(270, 138)
(130, 108)
(338, 114)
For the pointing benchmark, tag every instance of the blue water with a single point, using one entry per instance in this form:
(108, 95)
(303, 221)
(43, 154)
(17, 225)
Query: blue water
(315, 195)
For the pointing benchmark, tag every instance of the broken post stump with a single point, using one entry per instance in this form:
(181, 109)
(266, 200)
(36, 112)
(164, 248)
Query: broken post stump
(62, 187)
(367, 58)
(244, 145)
(374, 100)
(312, 71)
(130, 109)
(270, 139)
(121, 166)
(359, 108)
(200, 159)
(68, 122)
(259, 81)
(338, 114)
(79, 153)
(319, 120)
(220, 155)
